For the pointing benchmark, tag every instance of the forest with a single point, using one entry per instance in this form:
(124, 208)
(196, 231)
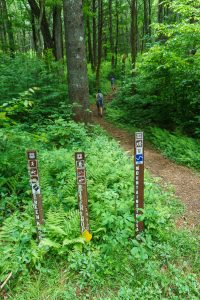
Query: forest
(56, 58)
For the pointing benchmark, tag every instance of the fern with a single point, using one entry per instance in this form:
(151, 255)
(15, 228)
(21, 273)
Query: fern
(62, 231)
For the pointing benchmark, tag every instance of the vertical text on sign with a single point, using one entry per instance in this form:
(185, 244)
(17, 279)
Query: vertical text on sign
(139, 180)
(35, 185)
(82, 191)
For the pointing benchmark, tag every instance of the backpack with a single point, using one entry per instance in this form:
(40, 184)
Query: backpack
(99, 98)
(112, 80)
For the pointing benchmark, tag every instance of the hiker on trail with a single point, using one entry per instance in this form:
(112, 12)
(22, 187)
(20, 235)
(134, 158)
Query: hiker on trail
(112, 81)
(99, 102)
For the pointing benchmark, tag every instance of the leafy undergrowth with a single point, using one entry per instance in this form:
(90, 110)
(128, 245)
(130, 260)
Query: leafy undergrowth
(161, 264)
(179, 148)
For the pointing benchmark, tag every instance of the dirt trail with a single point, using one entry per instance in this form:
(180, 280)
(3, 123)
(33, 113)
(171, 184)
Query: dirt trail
(186, 182)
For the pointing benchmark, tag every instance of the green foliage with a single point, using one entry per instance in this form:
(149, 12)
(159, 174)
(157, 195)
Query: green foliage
(29, 81)
(18, 247)
(16, 108)
(162, 263)
(13, 170)
(179, 148)
(114, 259)
(62, 133)
(166, 87)
(62, 231)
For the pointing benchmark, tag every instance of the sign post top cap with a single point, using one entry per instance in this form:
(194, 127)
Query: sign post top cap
(31, 154)
(139, 135)
(79, 155)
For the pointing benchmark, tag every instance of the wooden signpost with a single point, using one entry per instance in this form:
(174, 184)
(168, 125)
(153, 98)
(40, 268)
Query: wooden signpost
(35, 185)
(139, 180)
(82, 194)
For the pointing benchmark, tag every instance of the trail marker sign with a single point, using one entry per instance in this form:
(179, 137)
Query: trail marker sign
(36, 194)
(138, 180)
(82, 194)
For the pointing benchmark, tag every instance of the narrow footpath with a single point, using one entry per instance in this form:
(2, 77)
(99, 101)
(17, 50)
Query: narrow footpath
(185, 181)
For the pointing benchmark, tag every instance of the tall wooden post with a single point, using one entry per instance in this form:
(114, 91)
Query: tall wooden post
(139, 180)
(36, 194)
(82, 191)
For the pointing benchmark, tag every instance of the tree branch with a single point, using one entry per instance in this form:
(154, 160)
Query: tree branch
(6, 280)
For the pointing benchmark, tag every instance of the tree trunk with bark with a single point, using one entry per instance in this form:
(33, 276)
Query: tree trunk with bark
(146, 23)
(146, 18)
(43, 23)
(90, 54)
(9, 28)
(3, 36)
(100, 31)
(111, 33)
(117, 31)
(76, 59)
(160, 11)
(57, 32)
(34, 32)
(133, 35)
(94, 32)
(149, 1)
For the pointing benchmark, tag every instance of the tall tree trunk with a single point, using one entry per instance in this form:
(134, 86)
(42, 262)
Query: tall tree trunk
(57, 32)
(133, 35)
(146, 17)
(3, 37)
(23, 41)
(111, 33)
(147, 22)
(34, 32)
(9, 28)
(94, 32)
(105, 48)
(76, 58)
(149, 1)
(41, 16)
(117, 31)
(100, 31)
(160, 11)
(90, 54)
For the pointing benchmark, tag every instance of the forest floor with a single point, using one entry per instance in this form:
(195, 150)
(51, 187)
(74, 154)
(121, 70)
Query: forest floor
(185, 182)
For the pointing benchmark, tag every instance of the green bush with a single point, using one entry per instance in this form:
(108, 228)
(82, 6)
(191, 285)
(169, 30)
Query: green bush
(179, 148)
(31, 90)
(27, 71)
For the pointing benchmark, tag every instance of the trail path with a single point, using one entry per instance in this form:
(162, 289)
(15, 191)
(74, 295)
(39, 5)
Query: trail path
(185, 181)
